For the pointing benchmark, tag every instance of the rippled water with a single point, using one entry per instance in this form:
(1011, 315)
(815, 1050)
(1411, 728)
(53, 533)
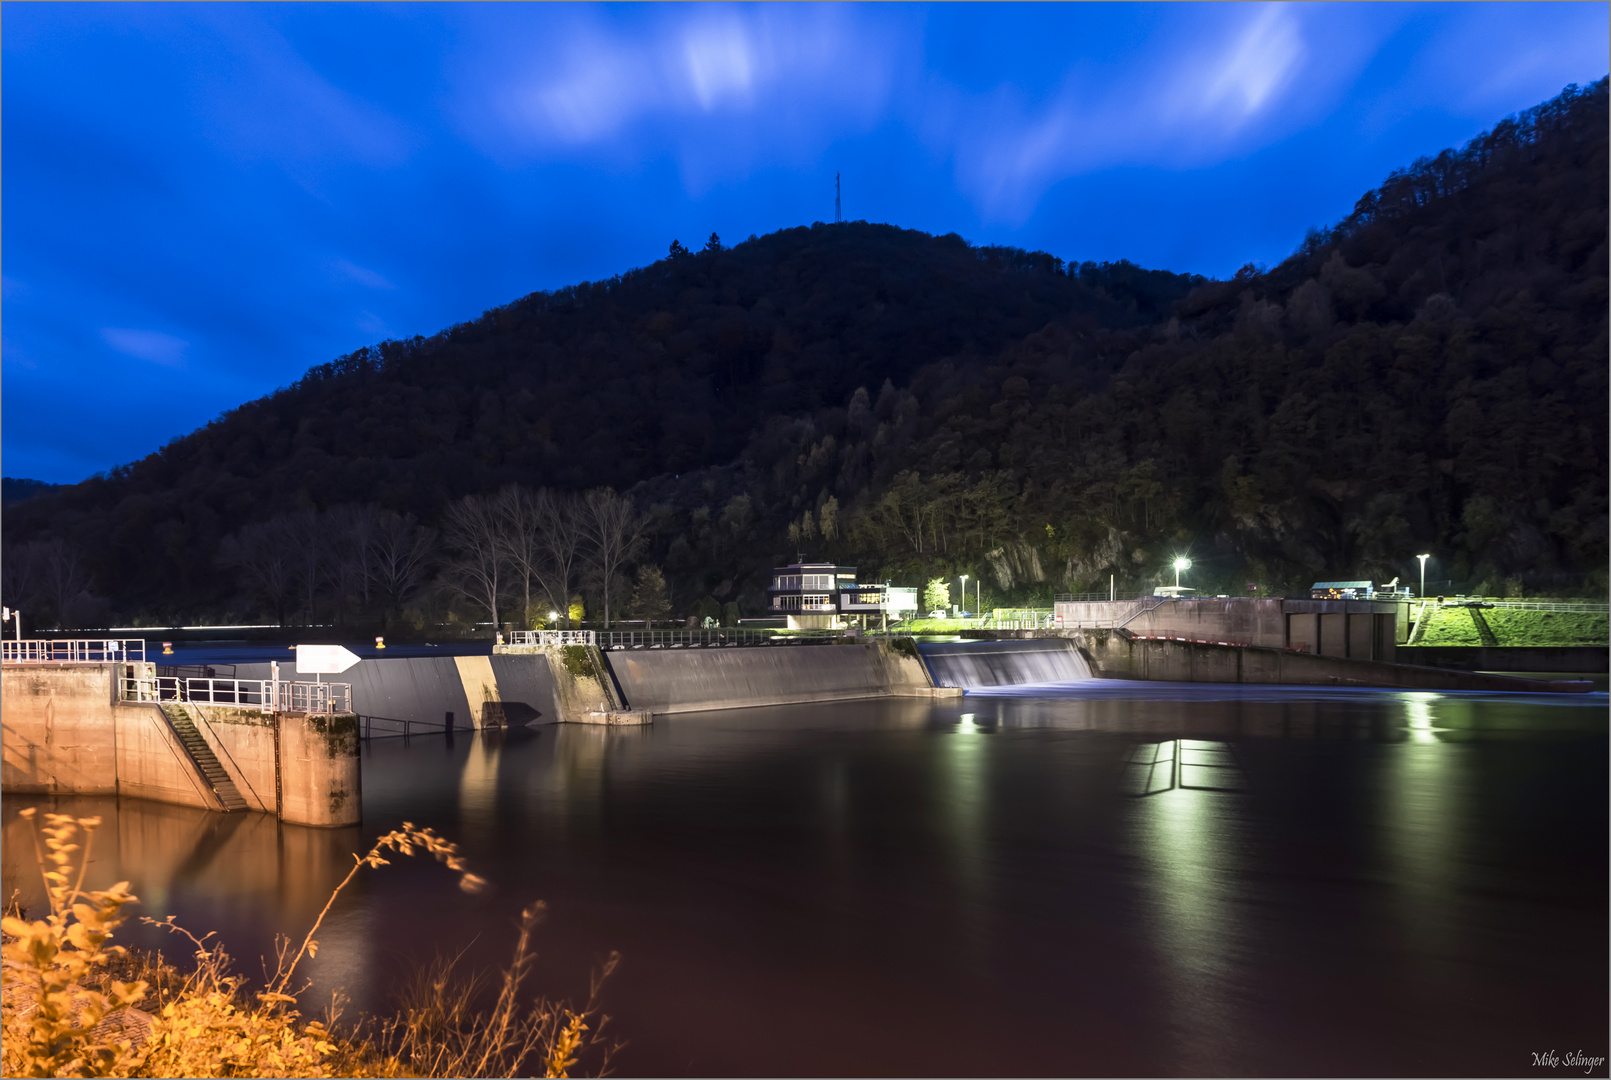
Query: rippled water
(1126, 878)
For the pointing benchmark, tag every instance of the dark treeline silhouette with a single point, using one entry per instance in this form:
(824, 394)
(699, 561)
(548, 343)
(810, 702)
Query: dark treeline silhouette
(1427, 375)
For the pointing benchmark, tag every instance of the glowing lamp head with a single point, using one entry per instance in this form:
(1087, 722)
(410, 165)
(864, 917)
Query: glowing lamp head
(1182, 563)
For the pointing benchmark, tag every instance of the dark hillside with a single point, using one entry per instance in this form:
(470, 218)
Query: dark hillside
(1429, 375)
(661, 370)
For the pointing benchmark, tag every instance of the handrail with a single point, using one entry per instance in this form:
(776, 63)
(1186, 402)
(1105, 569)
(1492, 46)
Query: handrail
(73, 651)
(320, 697)
(1587, 607)
(552, 637)
(719, 637)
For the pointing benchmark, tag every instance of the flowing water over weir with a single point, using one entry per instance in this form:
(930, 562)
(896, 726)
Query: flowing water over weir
(1004, 663)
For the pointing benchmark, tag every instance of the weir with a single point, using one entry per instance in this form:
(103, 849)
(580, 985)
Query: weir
(1004, 663)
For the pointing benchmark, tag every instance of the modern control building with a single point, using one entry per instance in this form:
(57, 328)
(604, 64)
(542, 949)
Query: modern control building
(826, 596)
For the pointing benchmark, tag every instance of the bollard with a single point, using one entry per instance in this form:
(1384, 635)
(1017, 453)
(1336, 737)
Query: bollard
(380, 642)
(167, 648)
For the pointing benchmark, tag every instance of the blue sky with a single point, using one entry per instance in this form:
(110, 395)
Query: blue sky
(202, 201)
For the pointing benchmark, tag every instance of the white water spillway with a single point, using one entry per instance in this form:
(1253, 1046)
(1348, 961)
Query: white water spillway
(1004, 663)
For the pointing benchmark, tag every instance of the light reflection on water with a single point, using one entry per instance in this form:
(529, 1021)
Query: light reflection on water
(1192, 880)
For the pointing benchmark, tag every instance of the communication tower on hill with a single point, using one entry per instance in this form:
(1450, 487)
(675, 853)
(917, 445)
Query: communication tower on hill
(836, 218)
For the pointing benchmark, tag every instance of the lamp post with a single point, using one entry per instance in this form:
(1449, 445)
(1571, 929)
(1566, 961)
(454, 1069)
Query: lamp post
(1423, 559)
(1181, 563)
(964, 592)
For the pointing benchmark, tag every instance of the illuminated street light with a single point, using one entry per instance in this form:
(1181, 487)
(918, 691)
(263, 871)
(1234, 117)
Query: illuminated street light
(1181, 563)
(1423, 559)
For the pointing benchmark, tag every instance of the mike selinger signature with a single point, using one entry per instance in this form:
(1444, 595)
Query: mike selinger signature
(1574, 1059)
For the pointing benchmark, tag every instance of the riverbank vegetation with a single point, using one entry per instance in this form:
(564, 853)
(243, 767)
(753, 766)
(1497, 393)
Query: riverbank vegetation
(1428, 375)
(76, 1005)
(1509, 626)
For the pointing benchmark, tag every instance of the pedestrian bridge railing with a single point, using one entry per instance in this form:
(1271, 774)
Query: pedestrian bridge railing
(73, 651)
(314, 697)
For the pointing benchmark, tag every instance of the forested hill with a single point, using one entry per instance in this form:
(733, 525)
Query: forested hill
(1428, 375)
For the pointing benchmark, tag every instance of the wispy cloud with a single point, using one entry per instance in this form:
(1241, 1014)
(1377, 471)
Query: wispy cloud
(1187, 100)
(361, 274)
(592, 84)
(151, 345)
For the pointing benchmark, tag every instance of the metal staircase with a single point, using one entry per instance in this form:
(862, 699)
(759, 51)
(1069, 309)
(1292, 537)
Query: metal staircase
(229, 796)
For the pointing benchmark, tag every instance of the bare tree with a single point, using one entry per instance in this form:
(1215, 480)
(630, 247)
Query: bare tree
(520, 516)
(402, 551)
(263, 556)
(350, 532)
(61, 574)
(563, 532)
(612, 530)
(472, 527)
(19, 575)
(304, 534)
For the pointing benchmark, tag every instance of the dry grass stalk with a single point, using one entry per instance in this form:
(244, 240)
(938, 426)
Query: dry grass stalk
(65, 1012)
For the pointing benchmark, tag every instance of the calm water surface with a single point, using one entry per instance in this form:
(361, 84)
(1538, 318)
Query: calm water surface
(1111, 878)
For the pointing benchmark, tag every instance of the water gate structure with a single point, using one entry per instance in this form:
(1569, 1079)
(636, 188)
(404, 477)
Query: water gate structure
(1005, 663)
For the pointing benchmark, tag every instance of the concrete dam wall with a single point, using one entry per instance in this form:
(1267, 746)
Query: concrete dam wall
(1004, 663)
(430, 689)
(696, 680)
(63, 731)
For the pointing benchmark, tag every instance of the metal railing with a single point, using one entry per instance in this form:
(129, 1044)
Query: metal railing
(719, 637)
(552, 637)
(1583, 607)
(319, 697)
(1095, 597)
(73, 651)
(403, 729)
(1021, 619)
(722, 637)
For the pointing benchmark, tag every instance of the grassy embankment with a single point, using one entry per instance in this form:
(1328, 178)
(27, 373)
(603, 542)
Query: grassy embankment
(1509, 626)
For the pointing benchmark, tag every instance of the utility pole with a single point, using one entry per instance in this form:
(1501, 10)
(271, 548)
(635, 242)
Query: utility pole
(836, 215)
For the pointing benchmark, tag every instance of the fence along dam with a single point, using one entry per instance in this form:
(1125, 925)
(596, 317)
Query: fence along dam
(968, 664)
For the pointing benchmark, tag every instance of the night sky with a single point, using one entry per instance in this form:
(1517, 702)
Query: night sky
(201, 202)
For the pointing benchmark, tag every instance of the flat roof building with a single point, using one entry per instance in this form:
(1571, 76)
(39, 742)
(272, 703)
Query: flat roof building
(826, 596)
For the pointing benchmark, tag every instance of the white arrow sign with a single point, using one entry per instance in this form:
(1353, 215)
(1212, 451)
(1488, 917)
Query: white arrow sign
(324, 659)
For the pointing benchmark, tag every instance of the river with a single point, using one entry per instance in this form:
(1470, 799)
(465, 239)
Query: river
(1103, 877)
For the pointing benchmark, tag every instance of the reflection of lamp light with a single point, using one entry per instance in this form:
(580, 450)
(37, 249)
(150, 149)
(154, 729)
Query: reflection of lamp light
(964, 593)
(1181, 563)
(1423, 559)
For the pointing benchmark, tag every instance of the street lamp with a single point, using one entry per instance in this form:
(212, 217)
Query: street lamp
(1181, 563)
(964, 592)
(1423, 559)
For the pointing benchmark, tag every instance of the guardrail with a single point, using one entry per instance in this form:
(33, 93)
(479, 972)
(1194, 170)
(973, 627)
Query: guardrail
(73, 651)
(1095, 597)
(552, 637)
(720, 637)
(711, 639)
(1584, 607)
(366, 727)
(320, 697)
